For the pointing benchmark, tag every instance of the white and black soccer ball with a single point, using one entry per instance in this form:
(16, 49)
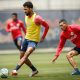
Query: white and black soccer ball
(4, 73)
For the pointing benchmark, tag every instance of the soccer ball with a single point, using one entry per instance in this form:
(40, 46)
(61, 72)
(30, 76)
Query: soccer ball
(4, 73)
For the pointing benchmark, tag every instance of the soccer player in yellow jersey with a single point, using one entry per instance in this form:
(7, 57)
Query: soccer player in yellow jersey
(32, 38)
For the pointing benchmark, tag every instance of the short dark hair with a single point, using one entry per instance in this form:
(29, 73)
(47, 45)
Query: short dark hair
(28, 4)
(15, 14)
(62, 20)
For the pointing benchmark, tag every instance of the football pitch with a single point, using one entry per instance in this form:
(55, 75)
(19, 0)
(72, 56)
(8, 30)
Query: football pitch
(60, 70)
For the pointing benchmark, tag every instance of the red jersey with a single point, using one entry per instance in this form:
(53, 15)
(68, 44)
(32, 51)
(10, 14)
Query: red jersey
(40, 21)
(15, 28)
(73, 34)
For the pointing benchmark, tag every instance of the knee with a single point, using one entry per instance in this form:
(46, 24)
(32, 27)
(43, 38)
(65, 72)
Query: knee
(22, 52)
(69, 55)
(19, 43)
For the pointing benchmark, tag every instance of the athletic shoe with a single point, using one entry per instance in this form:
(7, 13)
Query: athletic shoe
(76, 73)
(14, 73)
(33, 73)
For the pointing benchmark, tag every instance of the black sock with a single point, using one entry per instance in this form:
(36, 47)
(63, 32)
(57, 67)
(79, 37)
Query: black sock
(17, 67)
(33, 68)
(76, 69)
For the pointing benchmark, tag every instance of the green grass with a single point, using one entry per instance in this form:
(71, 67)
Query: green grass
(60, 70)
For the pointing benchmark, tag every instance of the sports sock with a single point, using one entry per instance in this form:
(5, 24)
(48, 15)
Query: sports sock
(33, 68)
(17, 67)
(76, 69)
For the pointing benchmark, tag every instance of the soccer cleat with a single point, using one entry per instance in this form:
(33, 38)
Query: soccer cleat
(14, 73)
(76, 73)
(33, 73)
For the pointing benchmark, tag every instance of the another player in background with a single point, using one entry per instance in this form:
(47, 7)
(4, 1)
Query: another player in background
(33, 25)
(15, 26)
(71, 32)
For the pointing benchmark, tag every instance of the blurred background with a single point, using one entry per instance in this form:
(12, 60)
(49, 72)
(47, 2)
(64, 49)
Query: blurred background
(51, 10)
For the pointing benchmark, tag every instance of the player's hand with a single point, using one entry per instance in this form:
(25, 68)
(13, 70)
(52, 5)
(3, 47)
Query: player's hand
(55, 58)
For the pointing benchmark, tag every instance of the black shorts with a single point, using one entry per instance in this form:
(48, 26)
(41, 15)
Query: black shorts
(16, 40)
(77, 49)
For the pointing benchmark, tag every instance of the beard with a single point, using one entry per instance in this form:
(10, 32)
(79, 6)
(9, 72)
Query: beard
(27, 14)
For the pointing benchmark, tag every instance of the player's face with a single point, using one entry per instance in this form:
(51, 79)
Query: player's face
(14, 17)
(63, 26)
(27, 11)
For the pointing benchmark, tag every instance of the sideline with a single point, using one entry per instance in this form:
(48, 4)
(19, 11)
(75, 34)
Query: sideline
(37, 50)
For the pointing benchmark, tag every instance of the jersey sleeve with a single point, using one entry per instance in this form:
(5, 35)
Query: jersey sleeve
(60, 45)
(40, 21)
(8, 28)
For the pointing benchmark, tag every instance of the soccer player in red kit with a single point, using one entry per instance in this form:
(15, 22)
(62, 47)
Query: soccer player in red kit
(15, 27)
(71, 32)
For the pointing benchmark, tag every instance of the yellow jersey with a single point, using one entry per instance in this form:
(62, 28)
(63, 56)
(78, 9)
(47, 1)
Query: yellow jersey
(33, 30)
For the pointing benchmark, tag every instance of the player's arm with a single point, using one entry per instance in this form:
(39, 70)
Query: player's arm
(8, 29)
(40, 21)
(59, 48)
(23, 28)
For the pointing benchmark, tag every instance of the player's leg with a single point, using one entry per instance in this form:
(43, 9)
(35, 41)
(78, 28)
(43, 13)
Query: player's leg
(24, 47)
(31, 47)
(24, 59)
(28, 47)
(18, 42)
(27, 62)
(70, 56)
(14, 72)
